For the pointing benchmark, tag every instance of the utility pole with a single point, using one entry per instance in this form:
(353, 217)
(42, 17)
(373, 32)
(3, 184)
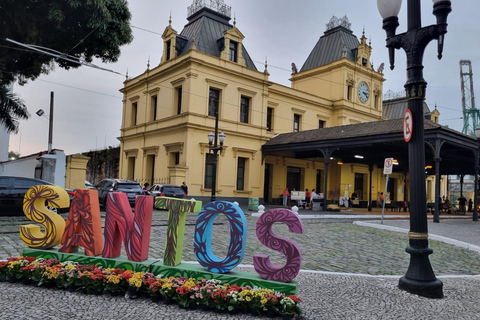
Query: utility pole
(50, 124)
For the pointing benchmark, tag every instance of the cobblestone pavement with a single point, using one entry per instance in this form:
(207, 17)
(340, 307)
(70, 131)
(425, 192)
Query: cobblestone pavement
(329, 244)
(324, 296)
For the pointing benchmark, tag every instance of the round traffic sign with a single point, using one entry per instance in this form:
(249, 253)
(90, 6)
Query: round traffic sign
(407, 125)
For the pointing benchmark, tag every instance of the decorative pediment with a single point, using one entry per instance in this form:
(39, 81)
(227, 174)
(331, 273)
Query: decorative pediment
(173, 147)
(129, 153)
(153, 150)
(244, 151)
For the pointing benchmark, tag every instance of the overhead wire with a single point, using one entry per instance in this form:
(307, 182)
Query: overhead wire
(68, 58)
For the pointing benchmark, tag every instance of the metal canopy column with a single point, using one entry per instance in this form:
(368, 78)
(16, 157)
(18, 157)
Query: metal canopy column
(370, 169)
(436, 146)
(475, 193)
(327, 153)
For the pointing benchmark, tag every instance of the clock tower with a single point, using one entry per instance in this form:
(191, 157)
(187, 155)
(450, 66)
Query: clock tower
(339, 68)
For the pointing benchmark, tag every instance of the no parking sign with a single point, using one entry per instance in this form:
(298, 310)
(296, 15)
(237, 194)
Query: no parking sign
(388, 166)
(407, 125)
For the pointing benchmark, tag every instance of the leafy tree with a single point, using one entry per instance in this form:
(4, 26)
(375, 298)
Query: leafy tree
(83, 29)
(12, 108)
(13, 155)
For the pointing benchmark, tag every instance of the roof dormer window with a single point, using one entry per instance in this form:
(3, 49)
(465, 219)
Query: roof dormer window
(168, 49)
(233, 51)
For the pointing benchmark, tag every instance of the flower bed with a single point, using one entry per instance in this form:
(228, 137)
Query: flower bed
(187, 292)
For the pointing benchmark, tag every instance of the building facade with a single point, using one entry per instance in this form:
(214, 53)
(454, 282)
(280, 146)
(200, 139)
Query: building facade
(205, 70)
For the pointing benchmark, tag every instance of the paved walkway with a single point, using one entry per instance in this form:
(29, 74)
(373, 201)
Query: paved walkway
(351, 271)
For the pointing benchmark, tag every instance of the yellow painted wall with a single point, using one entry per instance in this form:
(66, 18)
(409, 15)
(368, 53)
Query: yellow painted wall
(75, 172)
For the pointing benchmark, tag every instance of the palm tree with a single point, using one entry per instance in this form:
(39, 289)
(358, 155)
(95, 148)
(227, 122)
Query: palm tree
(12, 108)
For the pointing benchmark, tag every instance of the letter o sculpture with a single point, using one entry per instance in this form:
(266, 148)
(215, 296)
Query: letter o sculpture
(203, 236)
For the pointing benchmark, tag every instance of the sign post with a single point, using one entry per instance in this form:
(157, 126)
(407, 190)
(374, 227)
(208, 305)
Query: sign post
(387, 170)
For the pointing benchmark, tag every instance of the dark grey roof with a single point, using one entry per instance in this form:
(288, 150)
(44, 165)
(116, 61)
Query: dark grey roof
(376, 141)
(329, 48)
(395, 109)
(345, 132)
(206, 27)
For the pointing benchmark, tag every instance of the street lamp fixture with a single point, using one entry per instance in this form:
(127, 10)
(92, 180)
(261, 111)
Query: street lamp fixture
(420, 278)
(215, 142)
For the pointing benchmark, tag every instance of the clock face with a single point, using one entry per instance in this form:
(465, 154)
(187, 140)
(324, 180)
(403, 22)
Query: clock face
(363, 92)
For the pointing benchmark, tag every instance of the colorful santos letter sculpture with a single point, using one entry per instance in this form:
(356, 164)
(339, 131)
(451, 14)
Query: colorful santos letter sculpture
(203, 236)
(177, 212)
(84, 225)
(83, 229)
(122, 225)
(290, 249)
(35, 209)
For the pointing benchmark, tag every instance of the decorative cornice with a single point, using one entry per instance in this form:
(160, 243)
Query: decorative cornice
(176, 82)
(244, 150)
(150, 150)
(216, 83)
(173, 147)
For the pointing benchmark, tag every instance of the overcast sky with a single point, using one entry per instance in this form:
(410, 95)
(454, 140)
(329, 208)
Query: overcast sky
(88, 105)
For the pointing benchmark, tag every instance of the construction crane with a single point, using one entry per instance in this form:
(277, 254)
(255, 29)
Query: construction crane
(471, 114)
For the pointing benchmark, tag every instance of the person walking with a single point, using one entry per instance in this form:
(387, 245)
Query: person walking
(184, 187)
(285, 197)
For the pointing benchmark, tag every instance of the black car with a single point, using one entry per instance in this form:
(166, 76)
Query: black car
(12, 192)
(167, 190)
(131, 187)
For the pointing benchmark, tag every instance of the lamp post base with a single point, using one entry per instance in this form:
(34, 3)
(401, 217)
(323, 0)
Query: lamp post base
(420, 278)
(428, 289)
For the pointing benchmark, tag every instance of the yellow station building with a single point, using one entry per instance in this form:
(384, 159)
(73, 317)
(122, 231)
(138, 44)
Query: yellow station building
(169, 110)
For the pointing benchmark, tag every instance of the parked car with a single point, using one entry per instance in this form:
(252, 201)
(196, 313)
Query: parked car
(131, 187)
(12, 192)
(89, 185)
(167, 190)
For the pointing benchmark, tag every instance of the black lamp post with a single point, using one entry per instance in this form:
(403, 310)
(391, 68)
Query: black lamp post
(213, 140)
(420, 278)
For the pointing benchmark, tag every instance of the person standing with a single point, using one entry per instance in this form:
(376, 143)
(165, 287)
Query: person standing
(184, 187)
(470, 205)
(308, 196)
(345, 201)
(382, 199)
(285, 197)
(313, 196)
(461, 203)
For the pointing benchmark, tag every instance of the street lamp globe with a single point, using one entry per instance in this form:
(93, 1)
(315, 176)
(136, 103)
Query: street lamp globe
(210, 137)
(221, 136)
(389, 8)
